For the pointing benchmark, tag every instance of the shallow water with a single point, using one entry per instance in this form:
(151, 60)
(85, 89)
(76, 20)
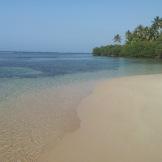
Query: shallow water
(31, 121)
(25, 70)
(39, 93)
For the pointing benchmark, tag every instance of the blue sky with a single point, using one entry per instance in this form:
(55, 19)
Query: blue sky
(70, 25)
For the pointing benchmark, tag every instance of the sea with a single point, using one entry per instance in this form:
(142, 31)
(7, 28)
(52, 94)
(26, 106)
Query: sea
(40, 92)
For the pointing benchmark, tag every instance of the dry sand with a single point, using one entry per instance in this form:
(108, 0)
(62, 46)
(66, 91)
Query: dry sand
(121, 121)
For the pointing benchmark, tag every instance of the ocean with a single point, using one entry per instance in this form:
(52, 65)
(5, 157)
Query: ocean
(40, 91)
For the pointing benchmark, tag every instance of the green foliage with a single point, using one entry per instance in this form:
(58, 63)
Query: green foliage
(111, 50)
(142, 42)
(139, 49)
(158, 49)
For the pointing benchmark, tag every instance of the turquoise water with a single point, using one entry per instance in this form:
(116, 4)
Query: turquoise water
(21, 71)
(39, 93)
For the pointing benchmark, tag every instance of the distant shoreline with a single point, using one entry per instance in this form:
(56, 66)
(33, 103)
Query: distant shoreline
(142, 42)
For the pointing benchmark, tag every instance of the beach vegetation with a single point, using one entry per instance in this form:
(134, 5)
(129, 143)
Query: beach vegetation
(143, 41)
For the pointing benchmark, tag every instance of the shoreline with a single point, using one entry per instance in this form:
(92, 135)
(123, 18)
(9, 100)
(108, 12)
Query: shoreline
(37, 120)
(120, 121)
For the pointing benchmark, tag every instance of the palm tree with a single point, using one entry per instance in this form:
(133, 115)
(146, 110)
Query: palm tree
(156, 27)
(117, 38)
(148, 34)
(128, 36)
(139, 32)
(157, 23)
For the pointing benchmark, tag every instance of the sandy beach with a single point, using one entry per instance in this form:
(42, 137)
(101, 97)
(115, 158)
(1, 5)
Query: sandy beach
(38, 118)
(120, 121)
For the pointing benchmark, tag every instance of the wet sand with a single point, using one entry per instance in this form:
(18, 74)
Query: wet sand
(38, 119)
(121, 121)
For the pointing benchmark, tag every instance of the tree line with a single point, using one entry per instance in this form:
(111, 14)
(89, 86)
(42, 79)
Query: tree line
(143, 41)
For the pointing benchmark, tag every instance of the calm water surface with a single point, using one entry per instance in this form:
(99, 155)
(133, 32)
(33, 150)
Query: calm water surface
(39, 93)
(25, 70)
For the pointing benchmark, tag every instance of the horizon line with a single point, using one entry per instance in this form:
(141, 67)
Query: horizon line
(43, 52)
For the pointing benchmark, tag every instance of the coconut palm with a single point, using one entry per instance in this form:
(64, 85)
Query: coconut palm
(128, 36)
(140, 32)
(157, 23)
(117, 38)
